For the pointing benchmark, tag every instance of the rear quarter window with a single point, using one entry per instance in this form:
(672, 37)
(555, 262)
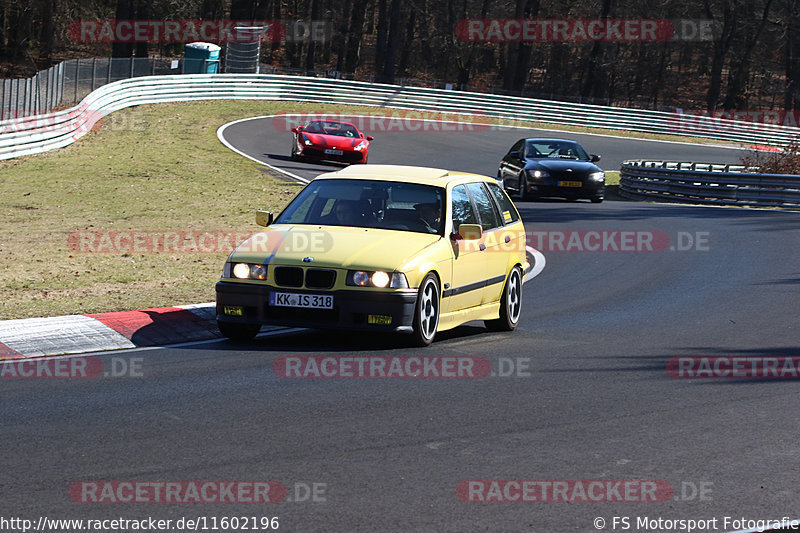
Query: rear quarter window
(507, 209)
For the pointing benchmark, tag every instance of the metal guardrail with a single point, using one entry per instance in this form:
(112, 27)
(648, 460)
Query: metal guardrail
(53, 130)
(707, 183)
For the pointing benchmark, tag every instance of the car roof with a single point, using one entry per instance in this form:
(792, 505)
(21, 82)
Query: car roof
(331, 122)
(549, 140)
(409, 174)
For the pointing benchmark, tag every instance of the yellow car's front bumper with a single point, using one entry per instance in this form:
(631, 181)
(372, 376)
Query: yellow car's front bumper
(247, 303)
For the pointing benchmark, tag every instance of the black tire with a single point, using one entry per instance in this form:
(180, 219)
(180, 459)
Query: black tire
(522, 183)
(510, 303)
(238, 332)
(295, 157)
(426, 313)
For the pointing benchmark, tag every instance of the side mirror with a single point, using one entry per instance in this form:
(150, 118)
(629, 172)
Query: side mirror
(370, 137)
(295, 130)
(264, 218)
(594, 158)
(470, 232)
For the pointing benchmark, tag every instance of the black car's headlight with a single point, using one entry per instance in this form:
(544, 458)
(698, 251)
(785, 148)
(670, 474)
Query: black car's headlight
(597, 176)
(245, 271)
(538, 174)
(377, 278)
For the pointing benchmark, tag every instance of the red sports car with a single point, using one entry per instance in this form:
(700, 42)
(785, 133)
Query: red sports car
(330, 140)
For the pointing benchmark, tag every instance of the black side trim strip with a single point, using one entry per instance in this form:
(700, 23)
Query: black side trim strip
(473, 286)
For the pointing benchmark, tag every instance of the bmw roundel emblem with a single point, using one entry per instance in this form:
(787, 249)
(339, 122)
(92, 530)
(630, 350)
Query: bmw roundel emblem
(308, 259)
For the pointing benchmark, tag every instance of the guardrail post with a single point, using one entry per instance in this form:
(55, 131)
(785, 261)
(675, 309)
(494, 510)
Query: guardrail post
(60, 85)
(77, 75)
(94, 71)
(48, 89)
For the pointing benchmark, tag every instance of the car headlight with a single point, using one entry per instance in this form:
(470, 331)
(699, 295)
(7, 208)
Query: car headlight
(248, 271)
(360, 146)
(379, 278)
(306, 140)
(539, 173)
(597, 176)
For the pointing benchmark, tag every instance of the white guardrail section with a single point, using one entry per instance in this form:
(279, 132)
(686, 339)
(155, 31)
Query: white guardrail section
(57, 129)
(706, 183)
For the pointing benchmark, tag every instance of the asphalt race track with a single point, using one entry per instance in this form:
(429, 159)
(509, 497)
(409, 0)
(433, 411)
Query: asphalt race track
(580, 391)
(455, 146)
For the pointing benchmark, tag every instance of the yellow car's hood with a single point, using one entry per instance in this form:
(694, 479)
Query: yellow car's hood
(333, 247)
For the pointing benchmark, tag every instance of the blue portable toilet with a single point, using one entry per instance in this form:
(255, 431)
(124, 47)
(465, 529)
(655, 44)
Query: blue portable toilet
(201, 58)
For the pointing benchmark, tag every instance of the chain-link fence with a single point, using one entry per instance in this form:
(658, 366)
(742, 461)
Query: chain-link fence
(70, 81)
(67, 83)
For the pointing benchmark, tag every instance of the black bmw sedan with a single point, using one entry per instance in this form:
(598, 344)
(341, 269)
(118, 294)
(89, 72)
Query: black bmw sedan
(534, 168)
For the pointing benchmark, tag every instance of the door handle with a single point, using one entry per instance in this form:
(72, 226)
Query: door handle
(482, 247)
(508, 239)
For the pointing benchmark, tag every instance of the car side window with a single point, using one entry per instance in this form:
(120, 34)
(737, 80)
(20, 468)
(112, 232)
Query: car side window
(507, 209)
(462, 207)
(486, 209)
(517, 146)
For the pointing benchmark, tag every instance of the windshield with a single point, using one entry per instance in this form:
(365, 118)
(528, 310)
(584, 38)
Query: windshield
(368, 204)
(555, 149)
(340, 129)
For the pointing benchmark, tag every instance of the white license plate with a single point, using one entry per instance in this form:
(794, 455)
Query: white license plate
(311, 301)
(333, 152)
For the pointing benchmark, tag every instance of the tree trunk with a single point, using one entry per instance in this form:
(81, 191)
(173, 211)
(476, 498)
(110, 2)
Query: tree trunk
(740, 72)
(791, 99)
(594, 83)
(721, 47)
(393, 43)
(312, 45)
(354, 35)
(402, 66)
(142, 13)
(242, 9)
(48, 29)
(125, 11)
(343, 30)
(380, 44)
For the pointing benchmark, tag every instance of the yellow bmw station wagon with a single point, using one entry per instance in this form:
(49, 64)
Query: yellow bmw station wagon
(382, 248)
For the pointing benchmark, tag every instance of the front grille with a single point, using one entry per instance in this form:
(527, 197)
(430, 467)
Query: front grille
(320, 279)
(289, 276)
